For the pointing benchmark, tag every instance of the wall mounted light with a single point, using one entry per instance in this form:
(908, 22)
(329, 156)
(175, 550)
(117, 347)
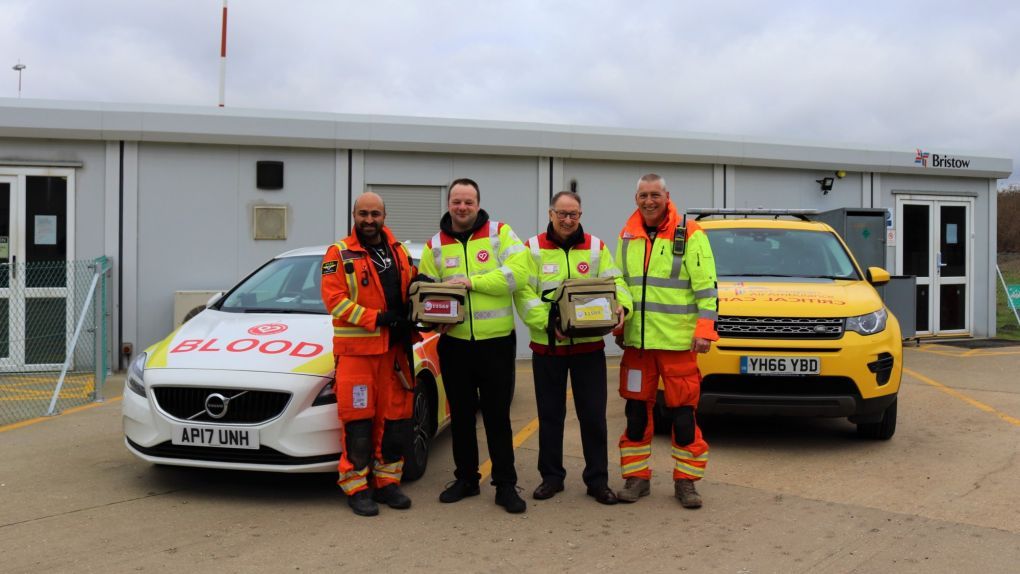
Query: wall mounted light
(826, 184)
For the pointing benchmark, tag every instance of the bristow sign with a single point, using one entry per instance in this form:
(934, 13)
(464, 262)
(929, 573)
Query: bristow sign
(923, 158)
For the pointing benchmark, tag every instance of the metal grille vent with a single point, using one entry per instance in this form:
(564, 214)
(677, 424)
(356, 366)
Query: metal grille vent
(270, 221)
(246, 407)
(780, 327)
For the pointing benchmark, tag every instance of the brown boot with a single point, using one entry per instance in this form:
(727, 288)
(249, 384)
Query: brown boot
(685, 492)
(633, 489)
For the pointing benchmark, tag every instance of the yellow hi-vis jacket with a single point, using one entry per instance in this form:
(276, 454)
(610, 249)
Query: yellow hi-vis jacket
(675, 296)
(549, 265)
(497, 264)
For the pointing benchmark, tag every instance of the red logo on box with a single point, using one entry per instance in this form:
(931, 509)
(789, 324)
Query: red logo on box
(483, 256)
(582, 267)
(439, 308)
(267, 329)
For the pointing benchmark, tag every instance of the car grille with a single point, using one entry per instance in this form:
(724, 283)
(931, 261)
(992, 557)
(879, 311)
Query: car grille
(264, 455)
(245, 407)
(779, 327)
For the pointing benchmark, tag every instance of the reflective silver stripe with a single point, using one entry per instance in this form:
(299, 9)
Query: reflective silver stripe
(708, 314)
(705, 293)
(623, 258)
(531, 304)
(494, 313)
(547, 285)
(533, 281)
(457, 276)
(494, 240)
(593, 257)
(437, 252)
(671, 309)
(511, 281)
(611, 272)
(678, 261)
(661, 282)
(510, 251)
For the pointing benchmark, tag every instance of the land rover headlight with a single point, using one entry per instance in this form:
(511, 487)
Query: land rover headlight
(868, 324)
(136, 375)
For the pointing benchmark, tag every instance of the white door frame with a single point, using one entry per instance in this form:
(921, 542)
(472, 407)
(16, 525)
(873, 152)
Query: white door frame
(935, 279)
(18, 292)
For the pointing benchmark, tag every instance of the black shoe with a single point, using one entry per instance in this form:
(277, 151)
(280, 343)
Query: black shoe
(392, 496)
(459, 489)
(507, 497)
(547, 490)
(602, 494)
(362, 504)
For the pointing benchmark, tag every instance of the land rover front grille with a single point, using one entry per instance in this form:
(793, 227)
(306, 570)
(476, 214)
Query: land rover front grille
(779, 327)
(245, 406)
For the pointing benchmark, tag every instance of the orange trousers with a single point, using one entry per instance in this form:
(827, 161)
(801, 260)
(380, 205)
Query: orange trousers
(368, 388)
(640, 372)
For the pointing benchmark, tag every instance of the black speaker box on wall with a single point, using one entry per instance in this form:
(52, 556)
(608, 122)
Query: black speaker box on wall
(269, 174)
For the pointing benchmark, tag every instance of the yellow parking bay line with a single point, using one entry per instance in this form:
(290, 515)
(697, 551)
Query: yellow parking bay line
(955, 393)
(18, 425)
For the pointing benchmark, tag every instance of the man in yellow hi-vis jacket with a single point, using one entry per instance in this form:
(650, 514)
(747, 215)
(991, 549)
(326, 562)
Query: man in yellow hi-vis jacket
(563, 252)
(670, 271)
(477, 356)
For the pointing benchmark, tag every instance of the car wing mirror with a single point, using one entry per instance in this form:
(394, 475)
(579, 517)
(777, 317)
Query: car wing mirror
(212, 300)
(877, 276)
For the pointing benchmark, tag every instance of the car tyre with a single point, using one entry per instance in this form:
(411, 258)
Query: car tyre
(416, 458)
(883, 429)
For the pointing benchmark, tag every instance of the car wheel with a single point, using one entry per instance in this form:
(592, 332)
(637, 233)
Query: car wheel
(416, 458)
(883, 429)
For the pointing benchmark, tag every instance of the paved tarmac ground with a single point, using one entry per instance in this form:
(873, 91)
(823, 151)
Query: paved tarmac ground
(781, 495)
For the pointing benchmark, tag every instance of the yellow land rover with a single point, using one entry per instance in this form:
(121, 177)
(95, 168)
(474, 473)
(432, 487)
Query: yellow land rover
(802, 330)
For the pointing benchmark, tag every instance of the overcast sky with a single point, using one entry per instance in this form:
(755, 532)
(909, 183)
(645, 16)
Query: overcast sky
(943, 76)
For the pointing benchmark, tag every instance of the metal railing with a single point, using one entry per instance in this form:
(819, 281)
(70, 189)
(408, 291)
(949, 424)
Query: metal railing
(53, 336)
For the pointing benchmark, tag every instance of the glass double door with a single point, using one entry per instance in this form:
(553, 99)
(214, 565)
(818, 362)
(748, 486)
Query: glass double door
(935, 246)
(35, 277)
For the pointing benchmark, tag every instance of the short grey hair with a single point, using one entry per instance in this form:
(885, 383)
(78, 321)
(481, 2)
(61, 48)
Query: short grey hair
(652, 178)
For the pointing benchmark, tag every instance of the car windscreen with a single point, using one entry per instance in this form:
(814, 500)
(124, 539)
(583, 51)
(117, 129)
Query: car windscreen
(285, 285)
(780, 253)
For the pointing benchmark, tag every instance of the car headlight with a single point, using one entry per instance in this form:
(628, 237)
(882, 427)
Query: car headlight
(326, 396)
(136, 375)
(868, 324)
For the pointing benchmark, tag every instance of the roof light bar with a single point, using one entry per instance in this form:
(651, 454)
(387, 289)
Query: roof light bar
(702, 213)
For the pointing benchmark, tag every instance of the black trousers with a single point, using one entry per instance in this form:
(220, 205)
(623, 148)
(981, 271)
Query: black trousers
(588, 381)
(480, 375)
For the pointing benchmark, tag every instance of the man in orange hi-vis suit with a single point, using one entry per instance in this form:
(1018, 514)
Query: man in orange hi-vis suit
(364, 286)
(670, 271)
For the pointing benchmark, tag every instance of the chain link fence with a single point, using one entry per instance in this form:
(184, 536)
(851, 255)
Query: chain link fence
(53, 336)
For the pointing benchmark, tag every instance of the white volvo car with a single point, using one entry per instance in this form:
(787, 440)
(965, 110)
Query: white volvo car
(247, 383)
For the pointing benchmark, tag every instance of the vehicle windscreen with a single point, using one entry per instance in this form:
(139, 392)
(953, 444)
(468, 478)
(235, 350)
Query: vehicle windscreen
(285, 285)
(780, 253)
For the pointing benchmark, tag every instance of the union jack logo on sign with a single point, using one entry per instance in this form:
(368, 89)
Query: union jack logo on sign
(921, 158)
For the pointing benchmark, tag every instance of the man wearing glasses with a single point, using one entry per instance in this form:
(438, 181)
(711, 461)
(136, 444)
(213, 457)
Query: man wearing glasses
(565, 251)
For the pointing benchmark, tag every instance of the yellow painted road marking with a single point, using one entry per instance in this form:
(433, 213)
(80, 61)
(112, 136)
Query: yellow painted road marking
(955, 393)
(13, 426)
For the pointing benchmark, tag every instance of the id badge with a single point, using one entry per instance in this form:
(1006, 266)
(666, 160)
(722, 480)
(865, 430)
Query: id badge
(633, 381)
